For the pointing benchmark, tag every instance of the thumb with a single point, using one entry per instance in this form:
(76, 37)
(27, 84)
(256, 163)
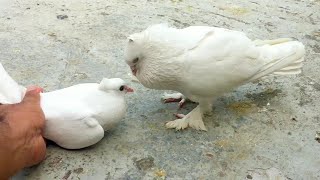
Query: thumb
(32, 95)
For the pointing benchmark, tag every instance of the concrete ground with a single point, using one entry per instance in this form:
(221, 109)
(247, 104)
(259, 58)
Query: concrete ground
(262, 130)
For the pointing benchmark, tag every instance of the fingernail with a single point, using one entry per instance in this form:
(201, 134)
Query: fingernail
(39, 90)
(35, 88)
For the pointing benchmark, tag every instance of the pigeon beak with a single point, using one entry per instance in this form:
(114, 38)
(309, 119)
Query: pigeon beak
(128, 89)
(133, 70)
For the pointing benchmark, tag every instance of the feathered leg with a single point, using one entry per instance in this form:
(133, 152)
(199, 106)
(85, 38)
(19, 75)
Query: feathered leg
(193, 119)
(206, 107)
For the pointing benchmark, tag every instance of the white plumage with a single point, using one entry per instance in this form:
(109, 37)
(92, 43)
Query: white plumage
(204, 62)
(77, 116)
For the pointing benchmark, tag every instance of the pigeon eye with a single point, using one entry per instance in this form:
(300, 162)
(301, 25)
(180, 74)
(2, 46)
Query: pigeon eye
(121, 88)
(135, 60)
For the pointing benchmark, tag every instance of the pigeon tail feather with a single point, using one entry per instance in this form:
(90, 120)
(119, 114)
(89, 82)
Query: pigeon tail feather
(281, 57)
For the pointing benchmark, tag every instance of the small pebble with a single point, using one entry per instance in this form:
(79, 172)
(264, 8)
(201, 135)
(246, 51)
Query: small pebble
(317, 138)
(61, 17)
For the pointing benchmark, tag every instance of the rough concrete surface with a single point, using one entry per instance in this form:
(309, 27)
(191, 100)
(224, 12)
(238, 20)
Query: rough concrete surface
(262, 130)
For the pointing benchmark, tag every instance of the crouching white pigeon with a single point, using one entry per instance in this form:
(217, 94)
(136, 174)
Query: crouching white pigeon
(204, 62)
(77, 116)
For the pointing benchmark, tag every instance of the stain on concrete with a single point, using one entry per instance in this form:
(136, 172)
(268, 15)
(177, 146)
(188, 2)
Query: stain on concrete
(316, 86)
(268, 173)
(62, 17)
(67, 175)
(145, 163)
(262, 99)
(78, 170)
(236, 10)
(315, 36)
(55, 162)
(316, 48)
(160, 173)
(317, 138)
(242, 107)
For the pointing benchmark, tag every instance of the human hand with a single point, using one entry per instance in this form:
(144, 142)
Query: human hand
(21, 141)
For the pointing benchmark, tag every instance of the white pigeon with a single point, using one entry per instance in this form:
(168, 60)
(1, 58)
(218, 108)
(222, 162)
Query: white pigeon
(202, 62)
(77, 116)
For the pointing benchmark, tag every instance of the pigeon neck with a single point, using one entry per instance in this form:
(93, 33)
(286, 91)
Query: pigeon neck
(160, 73)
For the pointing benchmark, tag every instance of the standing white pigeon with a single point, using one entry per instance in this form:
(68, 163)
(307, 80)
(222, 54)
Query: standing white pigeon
(204, 62)
(77, 116)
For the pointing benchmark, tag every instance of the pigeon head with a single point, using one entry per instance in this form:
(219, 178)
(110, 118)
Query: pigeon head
(116, 85)
(150, 55)
(133, 53)
(151, 47)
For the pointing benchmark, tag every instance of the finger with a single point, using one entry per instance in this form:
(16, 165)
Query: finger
(31, 102)
(32, 96)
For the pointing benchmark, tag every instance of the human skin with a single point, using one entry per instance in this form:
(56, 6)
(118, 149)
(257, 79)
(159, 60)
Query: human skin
(21, 127)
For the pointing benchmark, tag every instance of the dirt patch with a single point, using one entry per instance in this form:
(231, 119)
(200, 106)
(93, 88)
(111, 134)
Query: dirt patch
(145, 163)
(242, 108)
(261, 99)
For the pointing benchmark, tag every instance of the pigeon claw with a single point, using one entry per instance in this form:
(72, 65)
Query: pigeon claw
(179, 116)
(180, 124)
(182, 103)
(170, 100)
(177, 124)
(175, 97)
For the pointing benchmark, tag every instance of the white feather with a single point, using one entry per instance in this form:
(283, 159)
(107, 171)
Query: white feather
(204, 62)
(10, 91)
(208, 61)
(77, 116)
